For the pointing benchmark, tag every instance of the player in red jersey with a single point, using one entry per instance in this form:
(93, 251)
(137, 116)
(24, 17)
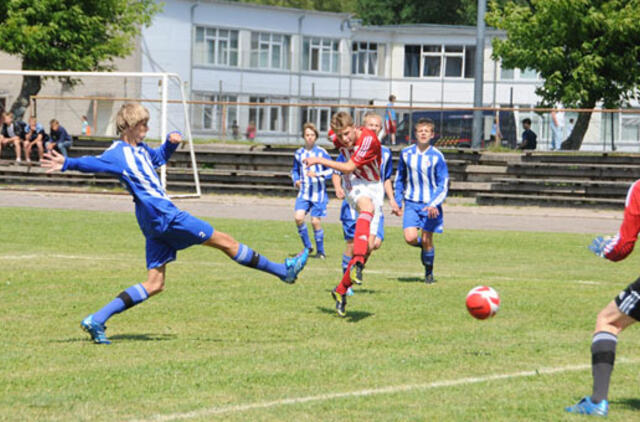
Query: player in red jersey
(620, 313)
(365, 192)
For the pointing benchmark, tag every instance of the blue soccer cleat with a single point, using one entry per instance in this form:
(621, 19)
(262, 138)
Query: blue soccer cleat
(587, 407)
(95, 329)
(295, 265)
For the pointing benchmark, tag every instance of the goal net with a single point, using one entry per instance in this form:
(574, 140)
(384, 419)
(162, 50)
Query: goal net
(81, 99)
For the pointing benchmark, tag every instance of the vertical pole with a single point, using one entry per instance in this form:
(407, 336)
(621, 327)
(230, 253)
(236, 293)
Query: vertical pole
(163, 125)
(95, 117)
(479, 75)
(187, 125)
(613, 145)
(35, 107)
(218, 107)
(410, 113)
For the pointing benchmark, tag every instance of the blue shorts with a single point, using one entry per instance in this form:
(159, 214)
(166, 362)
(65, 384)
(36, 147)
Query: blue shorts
(349, 225)
(413, 216)
(318, 209)
(185, 230)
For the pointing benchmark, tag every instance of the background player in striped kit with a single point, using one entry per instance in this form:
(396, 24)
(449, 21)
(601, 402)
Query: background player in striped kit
(348, 214)
(166, 228)
(422, 182)
(620, 313)
(363, 186)
(312, 194)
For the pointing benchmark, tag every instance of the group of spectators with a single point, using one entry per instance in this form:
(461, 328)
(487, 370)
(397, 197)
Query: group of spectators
(25, 136)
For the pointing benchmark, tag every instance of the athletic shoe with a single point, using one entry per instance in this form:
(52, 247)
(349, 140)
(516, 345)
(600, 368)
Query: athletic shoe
(587, 407)
(295, 265)
(341, 302)
(320, 256)
(429, 279)
(349, 291)
(356, 273)
(95, 329)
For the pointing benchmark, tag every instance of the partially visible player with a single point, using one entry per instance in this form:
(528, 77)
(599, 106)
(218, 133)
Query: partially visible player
(363, 189)
(166, 228)
(348, 214)
(620, 313)
(422, 182)
(312, 191)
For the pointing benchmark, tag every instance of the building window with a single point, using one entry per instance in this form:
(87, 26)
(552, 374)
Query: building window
(364, 58)
(270, 51)
(436, 61)
(214, 46)
(269, 118)
(209, 116)
(319, 116)
(511, 74)
(320, 55)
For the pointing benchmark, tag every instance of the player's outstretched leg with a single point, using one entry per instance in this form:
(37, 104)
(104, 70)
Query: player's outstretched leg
(244, 255)
(94, 324)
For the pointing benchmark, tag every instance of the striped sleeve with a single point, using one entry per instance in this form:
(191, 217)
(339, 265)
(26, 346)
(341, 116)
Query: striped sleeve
(442, 183)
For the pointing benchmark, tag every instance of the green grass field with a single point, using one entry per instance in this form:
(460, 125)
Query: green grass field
(227, 343)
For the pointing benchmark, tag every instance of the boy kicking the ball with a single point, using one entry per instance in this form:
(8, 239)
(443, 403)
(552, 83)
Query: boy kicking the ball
(166, 228)
(621, 312)
(364, 190)
(422, 182)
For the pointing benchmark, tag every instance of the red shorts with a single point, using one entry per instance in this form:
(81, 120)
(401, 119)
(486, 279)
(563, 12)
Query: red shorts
(390, 126)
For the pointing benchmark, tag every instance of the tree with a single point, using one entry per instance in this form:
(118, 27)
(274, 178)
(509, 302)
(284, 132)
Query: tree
(394, 12)
(79, 35)
(586, 51)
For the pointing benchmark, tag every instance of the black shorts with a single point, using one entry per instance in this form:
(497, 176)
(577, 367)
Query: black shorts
(628, 301)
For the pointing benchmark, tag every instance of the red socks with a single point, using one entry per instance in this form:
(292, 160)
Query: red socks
(360, 249)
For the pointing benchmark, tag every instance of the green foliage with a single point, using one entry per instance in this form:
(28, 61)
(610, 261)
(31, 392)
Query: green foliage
(72, 34)
(322, 5)
(393, 12)
(585, 50)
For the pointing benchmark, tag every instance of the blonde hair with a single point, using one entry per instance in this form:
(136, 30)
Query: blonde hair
(129, 115)
(311, 126)
(340, 121)
(369, 114)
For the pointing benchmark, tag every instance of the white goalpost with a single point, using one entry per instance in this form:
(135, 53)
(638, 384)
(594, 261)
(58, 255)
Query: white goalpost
(163, 79)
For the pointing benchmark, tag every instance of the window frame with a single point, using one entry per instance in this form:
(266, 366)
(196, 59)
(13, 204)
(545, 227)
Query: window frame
(357, 53)
(319, 47)
(223, 46)
(268, 46)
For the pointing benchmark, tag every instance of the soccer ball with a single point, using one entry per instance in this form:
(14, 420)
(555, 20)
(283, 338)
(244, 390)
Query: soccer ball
(483, 302)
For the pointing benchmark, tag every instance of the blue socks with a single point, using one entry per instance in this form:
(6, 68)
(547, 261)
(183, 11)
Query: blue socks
(247, 257)
(419, 244)
(427, 260)
(304, 235)
(125, 300)
(345, 262)
(319, 236)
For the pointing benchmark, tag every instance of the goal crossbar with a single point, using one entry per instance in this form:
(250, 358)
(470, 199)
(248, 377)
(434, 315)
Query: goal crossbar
(164, 77)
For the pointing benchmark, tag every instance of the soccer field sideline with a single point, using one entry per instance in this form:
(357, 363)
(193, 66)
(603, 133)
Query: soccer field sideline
(368, 392)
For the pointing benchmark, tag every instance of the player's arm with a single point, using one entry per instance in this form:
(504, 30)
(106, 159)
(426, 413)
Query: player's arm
(442, 184)
(295, 172)
(401, 176)
(326, 172)
(54, 161)
(344, 168)
(160, 156)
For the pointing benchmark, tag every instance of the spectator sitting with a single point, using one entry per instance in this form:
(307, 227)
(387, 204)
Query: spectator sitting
(12, 133)
(59, 137)
(251, 131)
(528, 136)
(35, 136)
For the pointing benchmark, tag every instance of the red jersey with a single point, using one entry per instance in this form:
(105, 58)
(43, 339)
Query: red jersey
(366, 154)
(621, 245)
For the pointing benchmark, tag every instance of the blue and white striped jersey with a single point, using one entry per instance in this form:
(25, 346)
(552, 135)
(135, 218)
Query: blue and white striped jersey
(135, 167)
(422, 176)
(347, 212)
(312, 189)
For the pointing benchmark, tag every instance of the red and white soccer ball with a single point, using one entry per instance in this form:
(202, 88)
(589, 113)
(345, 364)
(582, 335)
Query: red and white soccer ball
(483, 302)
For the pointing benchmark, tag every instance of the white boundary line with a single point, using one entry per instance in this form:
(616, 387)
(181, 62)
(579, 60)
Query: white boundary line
(362, 393)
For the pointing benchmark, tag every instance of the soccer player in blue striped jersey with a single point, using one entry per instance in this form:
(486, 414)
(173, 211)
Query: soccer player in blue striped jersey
(422, 182)
(312, 191)
(348, 214)
(166, 228)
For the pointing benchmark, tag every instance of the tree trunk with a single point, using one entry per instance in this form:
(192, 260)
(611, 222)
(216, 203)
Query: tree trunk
(574, 141)
(31, 85)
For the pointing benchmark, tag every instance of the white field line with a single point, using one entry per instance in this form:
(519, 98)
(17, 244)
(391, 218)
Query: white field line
(364, 393)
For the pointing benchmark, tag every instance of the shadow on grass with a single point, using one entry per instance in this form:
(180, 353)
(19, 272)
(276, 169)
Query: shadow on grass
(631, 403)
(410, 279)
(124, 337)
(352, 316)
(359, 291)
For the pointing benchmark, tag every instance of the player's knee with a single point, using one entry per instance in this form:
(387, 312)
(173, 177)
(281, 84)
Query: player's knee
(377, 243)
(411, 238)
